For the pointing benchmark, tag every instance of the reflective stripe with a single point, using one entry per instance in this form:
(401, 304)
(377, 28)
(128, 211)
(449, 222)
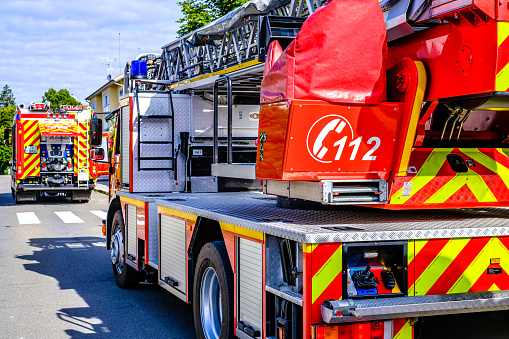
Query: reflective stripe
(426, 173)
(480, 264)
(403, 332)
(414, 118)
(502, 78)
(327, 273)
(440, 263)
(473, 180)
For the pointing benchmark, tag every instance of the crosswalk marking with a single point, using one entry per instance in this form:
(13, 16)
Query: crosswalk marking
(27, 218)
(69, 218)
(100, 214)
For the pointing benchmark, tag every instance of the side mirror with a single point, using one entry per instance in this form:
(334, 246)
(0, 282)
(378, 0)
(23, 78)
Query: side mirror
(6, 136)
(96, 154)
(96, 132)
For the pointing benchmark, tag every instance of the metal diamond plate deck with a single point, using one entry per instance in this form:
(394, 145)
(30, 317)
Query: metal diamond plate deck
(340, 224)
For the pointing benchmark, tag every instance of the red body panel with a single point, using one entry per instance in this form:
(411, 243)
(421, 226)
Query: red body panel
(442, 48)
(312, 148)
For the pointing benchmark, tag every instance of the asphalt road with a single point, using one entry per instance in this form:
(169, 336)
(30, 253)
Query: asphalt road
(56, 279)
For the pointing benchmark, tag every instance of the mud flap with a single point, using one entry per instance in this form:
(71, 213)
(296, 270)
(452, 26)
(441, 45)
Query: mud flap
(81, 195)
(25, 196)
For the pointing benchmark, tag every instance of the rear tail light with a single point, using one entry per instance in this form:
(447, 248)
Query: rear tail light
(371, 330)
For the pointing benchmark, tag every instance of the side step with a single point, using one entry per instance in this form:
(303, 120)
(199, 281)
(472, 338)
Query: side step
(330, 192)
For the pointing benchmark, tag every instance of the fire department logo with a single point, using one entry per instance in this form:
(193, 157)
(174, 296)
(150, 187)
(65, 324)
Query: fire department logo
(331, 138)
(326, 135)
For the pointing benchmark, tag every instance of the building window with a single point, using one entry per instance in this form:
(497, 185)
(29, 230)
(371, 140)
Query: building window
(93, 105)
(120, 91)
(106, 102)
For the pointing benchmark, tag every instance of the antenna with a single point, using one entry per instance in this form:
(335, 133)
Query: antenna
(108, 63)
(119, 63)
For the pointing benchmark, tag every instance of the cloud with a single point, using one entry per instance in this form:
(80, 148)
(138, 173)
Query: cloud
(64, 44)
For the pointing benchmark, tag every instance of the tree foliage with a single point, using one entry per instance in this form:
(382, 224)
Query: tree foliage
(198, 13)
(60, 97)
(6, 97)
(7, 111)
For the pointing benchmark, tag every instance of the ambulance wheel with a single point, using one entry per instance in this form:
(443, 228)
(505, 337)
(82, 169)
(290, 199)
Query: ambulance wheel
(213, 293)
(125, 275)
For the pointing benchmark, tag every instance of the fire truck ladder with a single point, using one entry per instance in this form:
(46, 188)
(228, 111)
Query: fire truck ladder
(82, 158)
(165, 118)
(230, 44)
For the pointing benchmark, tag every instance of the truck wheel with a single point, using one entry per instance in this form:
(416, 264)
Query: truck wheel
(125, 275)
(213, 293)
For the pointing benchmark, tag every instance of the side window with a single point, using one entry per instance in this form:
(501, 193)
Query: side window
(106, 102)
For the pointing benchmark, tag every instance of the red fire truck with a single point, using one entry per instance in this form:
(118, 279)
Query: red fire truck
(50, 152)
(376, 130)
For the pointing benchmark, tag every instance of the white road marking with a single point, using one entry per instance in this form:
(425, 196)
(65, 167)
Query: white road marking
(69, 218)
(100, 214)
(27, 218)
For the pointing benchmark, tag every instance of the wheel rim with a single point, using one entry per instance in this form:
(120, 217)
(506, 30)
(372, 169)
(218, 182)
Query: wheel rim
(117, 250)
(210, 304)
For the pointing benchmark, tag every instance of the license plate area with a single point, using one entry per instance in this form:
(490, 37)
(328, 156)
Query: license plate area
(30, 149)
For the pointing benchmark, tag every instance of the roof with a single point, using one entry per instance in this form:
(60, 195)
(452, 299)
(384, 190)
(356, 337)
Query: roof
(106, 85)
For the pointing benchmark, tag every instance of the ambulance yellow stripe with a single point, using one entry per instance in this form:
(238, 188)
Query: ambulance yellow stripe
(329, 271)
(426, 173)
(473, 180)
(478, 265)
(438, 266)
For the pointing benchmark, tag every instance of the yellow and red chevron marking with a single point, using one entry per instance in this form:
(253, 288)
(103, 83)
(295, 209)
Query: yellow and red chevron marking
(325, 272)
(436, 185)
(402, 329)
(502, 79)
(458, 265)
(83, 145)
(31, 137)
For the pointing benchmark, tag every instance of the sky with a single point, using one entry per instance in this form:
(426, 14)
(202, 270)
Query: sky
(64, 44)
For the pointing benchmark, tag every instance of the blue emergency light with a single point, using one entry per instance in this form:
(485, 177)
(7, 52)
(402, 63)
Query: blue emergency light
(138, 69)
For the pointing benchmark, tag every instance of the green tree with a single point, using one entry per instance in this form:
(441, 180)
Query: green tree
(6, 97)
(62, 97)
(198, 13)
(7, 111)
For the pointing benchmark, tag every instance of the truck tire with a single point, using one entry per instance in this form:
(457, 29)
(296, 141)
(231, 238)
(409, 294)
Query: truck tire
(125, 275)
(213, 293)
